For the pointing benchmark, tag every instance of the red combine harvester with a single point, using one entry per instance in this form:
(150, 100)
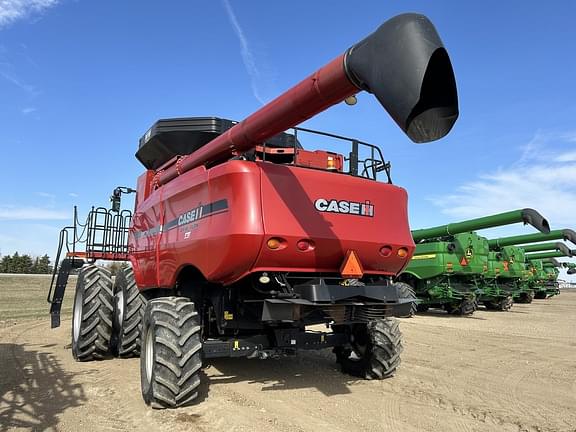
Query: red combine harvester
(241, 238)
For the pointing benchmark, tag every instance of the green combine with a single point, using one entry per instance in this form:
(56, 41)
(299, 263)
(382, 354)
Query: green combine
(545, 273)
(510, 252)
(506, 276)
(450, 261)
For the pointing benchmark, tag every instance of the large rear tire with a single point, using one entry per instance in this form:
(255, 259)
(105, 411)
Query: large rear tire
(540, 295)
(374, 351)
(422, 307)
(526, 297)
(92, 314)
(129, 307)
(405, 291)
(502, 305)
(170, 361)
(467, 306)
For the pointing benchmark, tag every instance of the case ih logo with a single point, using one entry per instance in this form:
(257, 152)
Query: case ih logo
(346, 207)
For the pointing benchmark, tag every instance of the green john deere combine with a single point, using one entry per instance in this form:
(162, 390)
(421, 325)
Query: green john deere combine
(450, 261)
(510, 252)
(545, 272)
(506, 272)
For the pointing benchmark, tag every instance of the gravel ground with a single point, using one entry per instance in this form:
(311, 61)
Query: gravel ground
(494, 371)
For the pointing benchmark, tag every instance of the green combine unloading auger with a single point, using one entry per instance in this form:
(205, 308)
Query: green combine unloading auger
(528, 283)
(450, 260)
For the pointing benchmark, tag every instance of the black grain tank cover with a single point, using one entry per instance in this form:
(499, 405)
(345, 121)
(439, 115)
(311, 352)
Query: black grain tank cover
(181, 136)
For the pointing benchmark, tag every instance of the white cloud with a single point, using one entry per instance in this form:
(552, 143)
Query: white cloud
(32, 213)
(566, 157)
(10, 77)
(73, 195)
(15, 10)
(537, 180)
(28, 110)
(253, 71)
(46, 195)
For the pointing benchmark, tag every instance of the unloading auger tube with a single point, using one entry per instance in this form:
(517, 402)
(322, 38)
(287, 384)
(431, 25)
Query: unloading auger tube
(562, 234)
(403, 63)
(527, 216)
(555, 254)
(542, 247)
(553, 262)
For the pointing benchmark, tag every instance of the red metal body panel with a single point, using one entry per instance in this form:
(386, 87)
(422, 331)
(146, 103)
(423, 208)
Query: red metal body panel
(288, 197)
(263, 200)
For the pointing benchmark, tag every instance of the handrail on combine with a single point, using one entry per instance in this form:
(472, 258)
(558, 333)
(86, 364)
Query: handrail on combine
(104, 235)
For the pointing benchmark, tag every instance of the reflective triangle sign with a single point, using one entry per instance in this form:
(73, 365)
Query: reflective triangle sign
(351, 266)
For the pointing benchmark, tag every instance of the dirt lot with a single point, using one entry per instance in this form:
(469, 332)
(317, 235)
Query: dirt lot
(494, 371)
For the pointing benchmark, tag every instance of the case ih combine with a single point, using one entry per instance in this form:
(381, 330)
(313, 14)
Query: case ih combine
(241, 238)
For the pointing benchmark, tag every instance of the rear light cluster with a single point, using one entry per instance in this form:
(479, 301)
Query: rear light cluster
(304, 245)
(278, 243)
(386, 251)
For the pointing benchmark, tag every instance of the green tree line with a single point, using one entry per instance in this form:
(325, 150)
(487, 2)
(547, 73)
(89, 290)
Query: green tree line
(25, 264)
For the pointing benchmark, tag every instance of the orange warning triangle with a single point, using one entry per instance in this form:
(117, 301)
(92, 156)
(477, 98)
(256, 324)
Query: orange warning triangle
(463, 261)
(351, 266)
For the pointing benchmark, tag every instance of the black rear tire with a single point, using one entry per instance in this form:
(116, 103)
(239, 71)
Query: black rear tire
(374, 351)
(405, 291)
(503, 304)
(422, 307)
(92, 317)
(129, 307)
(526, 297)
(467, 306)
(170, 361)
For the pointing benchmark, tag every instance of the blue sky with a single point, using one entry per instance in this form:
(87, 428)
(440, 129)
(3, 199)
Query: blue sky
(81, 81)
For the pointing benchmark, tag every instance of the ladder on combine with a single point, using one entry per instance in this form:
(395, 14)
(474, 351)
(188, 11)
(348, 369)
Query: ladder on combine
(104, 236)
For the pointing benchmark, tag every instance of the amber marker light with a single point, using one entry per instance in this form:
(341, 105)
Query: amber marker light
(402, 252)
(331, 163)
(274, 243)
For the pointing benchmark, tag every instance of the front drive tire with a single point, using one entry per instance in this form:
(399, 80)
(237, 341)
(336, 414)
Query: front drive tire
(92, 314)
(170, 360)
(129, 307)
(374, 351)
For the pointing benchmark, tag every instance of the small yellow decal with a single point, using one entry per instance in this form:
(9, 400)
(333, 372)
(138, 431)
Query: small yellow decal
(228, 316)
(236, 345)
(422, 257)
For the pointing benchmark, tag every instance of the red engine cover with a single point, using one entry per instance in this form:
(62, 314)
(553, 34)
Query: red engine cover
(219, 220)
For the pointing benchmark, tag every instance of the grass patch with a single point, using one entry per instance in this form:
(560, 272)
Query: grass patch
(24, 297)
